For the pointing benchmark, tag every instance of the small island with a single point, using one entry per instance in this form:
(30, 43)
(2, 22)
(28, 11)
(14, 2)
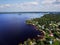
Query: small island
(49, 25)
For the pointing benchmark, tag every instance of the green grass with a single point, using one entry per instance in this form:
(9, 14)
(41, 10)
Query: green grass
(56, 42)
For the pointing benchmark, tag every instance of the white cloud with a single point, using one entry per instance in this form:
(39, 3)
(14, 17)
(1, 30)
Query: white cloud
(34, 3)
(38, 5)
(48, 1)
(30, 3)
(1, 6)
(58, 0)
(26, 6)
(5, 5)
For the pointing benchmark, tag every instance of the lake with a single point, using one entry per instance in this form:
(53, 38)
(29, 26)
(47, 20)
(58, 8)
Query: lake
(13, 28)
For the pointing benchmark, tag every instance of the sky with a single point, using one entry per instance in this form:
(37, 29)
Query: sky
(29, 5)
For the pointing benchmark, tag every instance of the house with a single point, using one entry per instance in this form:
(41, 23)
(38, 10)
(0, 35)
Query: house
(58, 25)
(51, 35)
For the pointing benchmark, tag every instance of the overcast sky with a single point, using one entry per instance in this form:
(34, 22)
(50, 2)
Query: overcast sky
(29, 5)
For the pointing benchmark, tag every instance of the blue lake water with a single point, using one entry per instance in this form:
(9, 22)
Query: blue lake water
(13, 28)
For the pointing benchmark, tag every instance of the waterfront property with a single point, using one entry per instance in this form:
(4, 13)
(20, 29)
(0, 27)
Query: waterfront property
(50, 27)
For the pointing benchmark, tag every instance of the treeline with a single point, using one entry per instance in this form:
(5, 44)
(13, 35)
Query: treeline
(47, 19)
(52, 17)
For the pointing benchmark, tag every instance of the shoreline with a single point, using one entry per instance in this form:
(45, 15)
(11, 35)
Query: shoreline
(36, 28)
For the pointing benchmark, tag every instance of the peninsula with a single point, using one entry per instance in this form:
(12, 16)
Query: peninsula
(49, 24)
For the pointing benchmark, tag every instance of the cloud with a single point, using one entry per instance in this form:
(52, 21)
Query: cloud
(58, 0)
(25, 6)
(31, 3)
(5, 5)
(38, 5)
(19, 4)
(48, 1)
(1, 6)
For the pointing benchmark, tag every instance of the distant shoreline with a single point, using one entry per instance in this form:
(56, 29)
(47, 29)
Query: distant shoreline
(25, 12)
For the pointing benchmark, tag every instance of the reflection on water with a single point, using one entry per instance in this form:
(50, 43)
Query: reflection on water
(13, 28)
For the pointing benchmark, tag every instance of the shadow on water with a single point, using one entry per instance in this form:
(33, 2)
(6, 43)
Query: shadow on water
(13, 28)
